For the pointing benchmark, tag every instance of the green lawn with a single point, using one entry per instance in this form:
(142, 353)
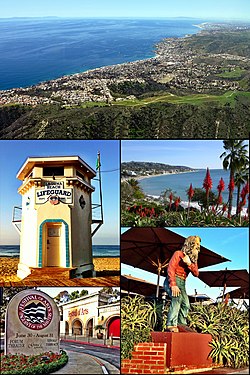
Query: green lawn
(236, 73)
(195, 99)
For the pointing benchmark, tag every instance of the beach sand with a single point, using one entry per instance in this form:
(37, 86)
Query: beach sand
(8, 267)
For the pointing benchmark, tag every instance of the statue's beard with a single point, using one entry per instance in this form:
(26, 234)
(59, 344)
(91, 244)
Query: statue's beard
(193, 255)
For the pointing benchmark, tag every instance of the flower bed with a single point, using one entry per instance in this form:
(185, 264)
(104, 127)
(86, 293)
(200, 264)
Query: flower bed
(44, 363)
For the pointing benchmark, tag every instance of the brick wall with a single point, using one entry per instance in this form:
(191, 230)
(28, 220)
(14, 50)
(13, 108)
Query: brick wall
(147, 358)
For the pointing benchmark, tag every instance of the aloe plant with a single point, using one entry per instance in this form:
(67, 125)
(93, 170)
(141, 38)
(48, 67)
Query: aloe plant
(229, 329)
(227, 325)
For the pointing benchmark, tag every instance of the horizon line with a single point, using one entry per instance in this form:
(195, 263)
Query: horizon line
(227, 18)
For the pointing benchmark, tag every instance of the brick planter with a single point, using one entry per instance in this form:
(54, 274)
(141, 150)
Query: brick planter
(168, 353)
(147, 358)
(185, 350)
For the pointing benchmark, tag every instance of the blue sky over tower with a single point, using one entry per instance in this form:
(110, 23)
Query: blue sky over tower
(228, 9)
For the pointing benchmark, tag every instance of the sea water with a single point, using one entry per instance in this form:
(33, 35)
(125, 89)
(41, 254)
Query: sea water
(100, 251)
(179, 183)
(39, 49)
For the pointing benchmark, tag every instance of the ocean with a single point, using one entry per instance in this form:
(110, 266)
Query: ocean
(99, 251)
(179, 183)
(34, 50)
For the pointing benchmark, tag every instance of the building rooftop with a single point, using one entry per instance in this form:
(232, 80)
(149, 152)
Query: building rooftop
(53, 160)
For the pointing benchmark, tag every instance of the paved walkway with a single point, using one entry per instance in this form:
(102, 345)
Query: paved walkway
(80, 363)
(83, 340)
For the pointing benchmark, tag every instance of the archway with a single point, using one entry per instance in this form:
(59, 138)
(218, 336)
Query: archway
(53, 242)
(89, 327)
(66, 328)
(77, 327)
(114, 327)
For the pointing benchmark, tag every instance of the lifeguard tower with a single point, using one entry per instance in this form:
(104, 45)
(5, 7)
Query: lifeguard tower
(56, 215)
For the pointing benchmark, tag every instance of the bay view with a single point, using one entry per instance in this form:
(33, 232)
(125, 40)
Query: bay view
(49, 48)
(180, 182)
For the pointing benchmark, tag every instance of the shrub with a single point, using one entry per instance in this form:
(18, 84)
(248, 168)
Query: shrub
(15, 364)
(139, 318)
(229, 329)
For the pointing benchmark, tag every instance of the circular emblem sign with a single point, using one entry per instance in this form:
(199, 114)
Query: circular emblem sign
(35, 312)
(54, 199)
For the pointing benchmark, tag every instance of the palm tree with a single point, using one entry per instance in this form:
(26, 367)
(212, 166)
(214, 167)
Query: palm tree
(235, 157)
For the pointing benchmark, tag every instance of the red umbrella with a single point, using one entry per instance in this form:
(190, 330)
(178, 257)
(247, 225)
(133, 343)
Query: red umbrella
(225, 278)
(240, 293)
(151, 249)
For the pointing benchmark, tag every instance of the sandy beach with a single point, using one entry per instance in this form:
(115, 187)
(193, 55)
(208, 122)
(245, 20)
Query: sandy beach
(8, 267)
(138, 178)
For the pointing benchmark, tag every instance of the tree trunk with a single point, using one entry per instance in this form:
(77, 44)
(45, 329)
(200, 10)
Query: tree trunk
(238, 199)
(230, 197)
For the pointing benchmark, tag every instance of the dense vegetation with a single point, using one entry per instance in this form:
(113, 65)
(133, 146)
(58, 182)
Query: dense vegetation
(145, 168)
(227, 324)
(154, 120)
(44, 363)
(233, 43)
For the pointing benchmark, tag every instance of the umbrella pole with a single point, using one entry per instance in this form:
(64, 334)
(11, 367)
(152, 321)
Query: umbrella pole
(224, 290)
(158, 282)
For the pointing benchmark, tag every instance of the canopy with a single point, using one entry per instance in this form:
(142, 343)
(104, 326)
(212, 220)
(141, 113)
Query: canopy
(228, 277)
(240, 293)
(224, 278)
(151, 249)
(139, 286)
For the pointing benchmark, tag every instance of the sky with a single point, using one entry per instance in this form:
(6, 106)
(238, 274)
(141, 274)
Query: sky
(232, 243)
(14, 153)
(228, 9)
(53, 292)
(194, 154)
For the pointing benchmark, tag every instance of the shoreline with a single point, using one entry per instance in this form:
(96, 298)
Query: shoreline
(154, 57)
(139, 178)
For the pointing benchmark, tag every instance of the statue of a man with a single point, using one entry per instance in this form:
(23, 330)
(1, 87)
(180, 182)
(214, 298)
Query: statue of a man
(180, 265)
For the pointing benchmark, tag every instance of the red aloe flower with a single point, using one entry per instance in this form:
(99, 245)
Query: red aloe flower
(170, 198)
(190, 192)
(221, 186)
(208, 183)
(177, 202)
(245, 191)
(219, 200)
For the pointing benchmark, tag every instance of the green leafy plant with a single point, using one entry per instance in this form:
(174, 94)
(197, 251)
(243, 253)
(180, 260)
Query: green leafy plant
(229, 329)
(45, 363)
(139, 318)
